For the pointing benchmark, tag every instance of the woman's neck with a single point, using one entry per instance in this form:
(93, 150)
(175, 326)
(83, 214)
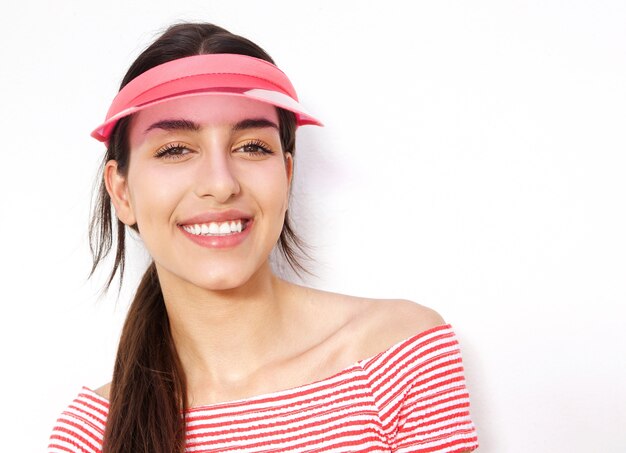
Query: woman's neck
(223, 337)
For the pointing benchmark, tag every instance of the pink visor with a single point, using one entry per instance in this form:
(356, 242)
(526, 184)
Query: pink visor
(231, 74)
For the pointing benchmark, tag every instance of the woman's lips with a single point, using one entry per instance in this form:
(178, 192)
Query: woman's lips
(214, 238)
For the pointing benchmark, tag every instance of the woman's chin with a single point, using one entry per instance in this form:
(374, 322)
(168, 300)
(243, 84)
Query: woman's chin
(221, 283)
(215, 278)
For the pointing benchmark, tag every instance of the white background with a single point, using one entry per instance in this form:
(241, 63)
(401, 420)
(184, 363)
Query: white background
(472, 161)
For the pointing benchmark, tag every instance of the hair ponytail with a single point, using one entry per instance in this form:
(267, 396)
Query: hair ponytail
(148, 397)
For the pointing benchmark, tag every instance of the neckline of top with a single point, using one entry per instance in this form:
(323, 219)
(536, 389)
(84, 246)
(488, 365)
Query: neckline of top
(298, 388)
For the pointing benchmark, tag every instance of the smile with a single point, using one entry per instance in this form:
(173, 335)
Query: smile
(216, 228)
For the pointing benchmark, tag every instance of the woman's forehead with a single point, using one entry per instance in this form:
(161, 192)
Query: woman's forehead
(204, 110)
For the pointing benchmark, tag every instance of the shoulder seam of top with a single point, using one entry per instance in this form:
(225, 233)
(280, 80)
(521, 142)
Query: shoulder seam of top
(367, 376)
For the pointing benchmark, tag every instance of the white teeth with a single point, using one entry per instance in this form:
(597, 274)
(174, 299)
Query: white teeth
(215, 228)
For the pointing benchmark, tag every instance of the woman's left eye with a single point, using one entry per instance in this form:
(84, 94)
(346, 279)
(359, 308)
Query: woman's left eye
(255, 148)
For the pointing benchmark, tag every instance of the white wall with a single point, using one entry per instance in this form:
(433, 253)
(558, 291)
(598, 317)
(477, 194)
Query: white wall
(473, 161)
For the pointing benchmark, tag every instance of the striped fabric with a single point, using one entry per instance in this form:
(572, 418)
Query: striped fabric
(409, 398)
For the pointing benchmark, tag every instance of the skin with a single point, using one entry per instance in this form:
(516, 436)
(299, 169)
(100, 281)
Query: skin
(239, 329)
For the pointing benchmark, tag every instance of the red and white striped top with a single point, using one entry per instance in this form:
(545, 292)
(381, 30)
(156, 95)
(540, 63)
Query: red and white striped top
(409, 398)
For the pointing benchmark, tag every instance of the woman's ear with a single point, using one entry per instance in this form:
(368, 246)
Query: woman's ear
(289, 168)
(117, 188)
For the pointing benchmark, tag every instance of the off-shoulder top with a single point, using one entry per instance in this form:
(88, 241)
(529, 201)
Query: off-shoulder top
(411, 397)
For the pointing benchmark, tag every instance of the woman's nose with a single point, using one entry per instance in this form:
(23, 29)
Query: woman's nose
(215, 176)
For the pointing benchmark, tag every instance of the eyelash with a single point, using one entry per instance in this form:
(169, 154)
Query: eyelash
(262, 148)
(166, 152)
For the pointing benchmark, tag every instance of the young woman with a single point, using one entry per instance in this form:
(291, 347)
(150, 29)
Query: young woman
(217, 352)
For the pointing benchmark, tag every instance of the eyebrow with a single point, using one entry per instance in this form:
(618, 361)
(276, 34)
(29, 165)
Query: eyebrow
(174, 125)
(188, 125)
(254, 123)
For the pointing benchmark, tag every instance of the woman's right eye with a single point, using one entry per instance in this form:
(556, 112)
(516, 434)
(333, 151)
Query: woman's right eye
(172, 151)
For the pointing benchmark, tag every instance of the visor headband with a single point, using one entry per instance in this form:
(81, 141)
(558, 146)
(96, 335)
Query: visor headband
(229, 74)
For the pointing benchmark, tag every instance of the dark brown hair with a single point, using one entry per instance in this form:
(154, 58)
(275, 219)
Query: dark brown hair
(148, 396)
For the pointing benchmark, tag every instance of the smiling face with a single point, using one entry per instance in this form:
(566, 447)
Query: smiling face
(207, 186)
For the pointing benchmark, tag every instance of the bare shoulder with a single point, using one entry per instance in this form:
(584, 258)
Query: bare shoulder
(365, 326)
(104, 391)
(393, 320)
(404, 317)
(386, 322)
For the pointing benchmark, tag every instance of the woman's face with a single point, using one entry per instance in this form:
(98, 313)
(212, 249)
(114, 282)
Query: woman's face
(208, 187)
